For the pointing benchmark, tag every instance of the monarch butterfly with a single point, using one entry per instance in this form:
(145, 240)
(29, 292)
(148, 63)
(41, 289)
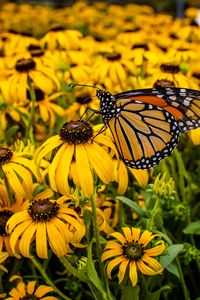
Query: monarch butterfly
(146, 124)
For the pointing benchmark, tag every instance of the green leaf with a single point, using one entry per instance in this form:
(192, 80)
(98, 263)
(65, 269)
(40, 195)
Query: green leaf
(192, 228)
(156, 295)
(131, 204)
(172, 268)
(11, 131)
(130, 293)
(92, 273)
(172, 252)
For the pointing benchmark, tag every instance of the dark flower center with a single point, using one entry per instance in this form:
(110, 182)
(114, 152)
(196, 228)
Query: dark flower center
(76, 132)
(83, 99)
(30, 297)
(57, 28)
(39, 94)
(113, 56)
(133, 251)
(2, 54)
(196, 75)
(4, 217)
(25, 65)
(170, 68)
(144, 46)
(43, 210)
(163, 83)
(5, 155)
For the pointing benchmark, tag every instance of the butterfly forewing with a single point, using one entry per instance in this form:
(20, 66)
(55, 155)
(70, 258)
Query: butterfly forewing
(144, 136)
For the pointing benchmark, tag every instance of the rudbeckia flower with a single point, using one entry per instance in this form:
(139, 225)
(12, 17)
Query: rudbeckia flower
(61, 38)
(7, 209)
(171, 72)
(18, 168)
(15, 82)
(50, 223)
(132, 252)
(77, 142)
(31, 290)
(46, 108)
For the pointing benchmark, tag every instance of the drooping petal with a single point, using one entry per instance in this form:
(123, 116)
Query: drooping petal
(152, 262)
(113, 263)
(122, 270)
(56, 240)
(41, 240)
(146, 237)
(84, 171)
(146, 269)
(133, 273)
(26, 238)
(42, 290)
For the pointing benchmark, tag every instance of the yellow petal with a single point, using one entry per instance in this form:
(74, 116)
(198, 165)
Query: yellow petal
(135, 233)
(84, 172)
(56, 240)
(41, 240)
(122, 270)
(110, 253)
(113, 263)
(133, 273)
(154, 264)
(141, 176)
(25, 241)
(119, 237)
(127, 233)
(155, 251)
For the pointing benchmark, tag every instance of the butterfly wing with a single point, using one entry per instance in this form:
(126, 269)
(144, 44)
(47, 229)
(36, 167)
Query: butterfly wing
(149, 122)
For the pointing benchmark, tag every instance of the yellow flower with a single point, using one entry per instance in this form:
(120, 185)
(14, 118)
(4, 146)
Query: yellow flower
(31, 290)
(46, 108)
(131, 251)
(50, 223)
(18, 168)
(3, 257)
(60, 38)
(15, 82)
(171, 72)
(7, 209)
(76, 142)
(194, 135)
(121, 176)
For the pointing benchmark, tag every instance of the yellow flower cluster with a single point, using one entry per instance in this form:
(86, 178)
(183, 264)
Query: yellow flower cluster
(59, 153)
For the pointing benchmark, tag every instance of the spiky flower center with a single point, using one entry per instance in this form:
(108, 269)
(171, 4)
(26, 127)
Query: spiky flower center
(163, 83)
(4, 217)
(25, 65)
(76, 132)
(5, 155)
(83, 99)
(169, 68)
(30, 297)
(112, 56)
(43, 210)
(133, 251)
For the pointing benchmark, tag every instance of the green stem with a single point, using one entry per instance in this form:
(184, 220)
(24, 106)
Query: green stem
(29, 128)
(72, 270)
(153, 214)
(96, 231)
(47, 279)
(143, 288)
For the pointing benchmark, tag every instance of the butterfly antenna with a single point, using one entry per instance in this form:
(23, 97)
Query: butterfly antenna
(72, 85)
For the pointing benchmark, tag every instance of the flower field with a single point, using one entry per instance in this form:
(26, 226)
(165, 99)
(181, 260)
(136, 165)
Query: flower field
(99, 153)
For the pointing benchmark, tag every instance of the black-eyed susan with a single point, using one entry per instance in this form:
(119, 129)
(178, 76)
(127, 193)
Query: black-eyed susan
(171, 72)
(132, 252)
(7, 209)
(50, 223)
(46, 108)
(15, 82)
(19, 169)
(31, 290)
(80, 143)
(61, 38)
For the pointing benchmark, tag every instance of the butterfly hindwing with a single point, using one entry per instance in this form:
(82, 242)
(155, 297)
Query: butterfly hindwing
(144, 134)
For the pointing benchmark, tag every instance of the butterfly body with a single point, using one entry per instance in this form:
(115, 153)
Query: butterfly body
(146, 124)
